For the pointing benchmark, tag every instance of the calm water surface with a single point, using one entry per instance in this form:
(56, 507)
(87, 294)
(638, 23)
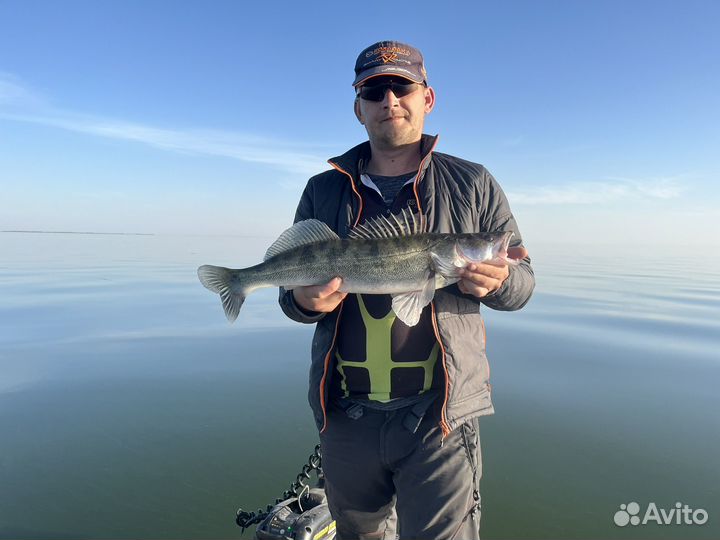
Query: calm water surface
(130, 408)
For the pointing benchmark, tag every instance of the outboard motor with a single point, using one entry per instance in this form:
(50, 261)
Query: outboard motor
(301, 513)
(299, 518)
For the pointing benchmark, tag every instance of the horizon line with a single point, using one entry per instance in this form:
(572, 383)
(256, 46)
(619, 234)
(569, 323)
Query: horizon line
(78, 232)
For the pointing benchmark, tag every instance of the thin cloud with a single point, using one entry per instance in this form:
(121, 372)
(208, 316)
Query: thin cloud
(20, 104)
(610, 190)
(9, 91)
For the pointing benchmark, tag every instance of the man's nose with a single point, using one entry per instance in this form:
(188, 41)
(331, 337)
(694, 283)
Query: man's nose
(390, 99)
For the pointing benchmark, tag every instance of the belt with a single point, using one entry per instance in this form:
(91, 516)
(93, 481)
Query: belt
(413, 416)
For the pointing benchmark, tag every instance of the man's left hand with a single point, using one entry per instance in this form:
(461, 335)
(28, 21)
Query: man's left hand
(483, 278)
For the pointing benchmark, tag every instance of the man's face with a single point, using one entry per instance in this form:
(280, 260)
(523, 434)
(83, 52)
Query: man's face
(395, 121)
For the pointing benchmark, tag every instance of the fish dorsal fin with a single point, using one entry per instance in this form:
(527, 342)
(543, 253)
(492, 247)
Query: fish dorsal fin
(301, 234)
(404, 224)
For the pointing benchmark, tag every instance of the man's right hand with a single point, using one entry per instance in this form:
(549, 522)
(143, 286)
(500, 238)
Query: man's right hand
(319, 298)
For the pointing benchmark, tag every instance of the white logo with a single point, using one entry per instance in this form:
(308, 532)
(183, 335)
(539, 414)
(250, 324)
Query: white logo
(680, 515)
(627, 514)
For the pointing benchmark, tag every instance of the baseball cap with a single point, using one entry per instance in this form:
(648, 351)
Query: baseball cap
(390, 58)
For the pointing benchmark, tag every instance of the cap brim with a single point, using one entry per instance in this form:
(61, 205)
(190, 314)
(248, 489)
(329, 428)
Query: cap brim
(387, 70)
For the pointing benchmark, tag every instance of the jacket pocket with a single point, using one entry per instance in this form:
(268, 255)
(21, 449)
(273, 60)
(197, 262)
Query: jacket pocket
(483, 394)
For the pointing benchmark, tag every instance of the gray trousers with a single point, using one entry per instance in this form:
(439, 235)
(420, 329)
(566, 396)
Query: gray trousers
(381, 479)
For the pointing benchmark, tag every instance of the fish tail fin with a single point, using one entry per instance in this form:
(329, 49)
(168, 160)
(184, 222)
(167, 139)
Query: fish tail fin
(224, 282)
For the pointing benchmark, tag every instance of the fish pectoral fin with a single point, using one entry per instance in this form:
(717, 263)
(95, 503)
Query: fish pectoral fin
(408, 306)
(446, 268)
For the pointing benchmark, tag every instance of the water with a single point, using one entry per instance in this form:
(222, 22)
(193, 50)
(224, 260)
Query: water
(129, 407)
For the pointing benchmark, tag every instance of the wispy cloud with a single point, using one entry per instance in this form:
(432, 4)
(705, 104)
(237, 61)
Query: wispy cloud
(14, 94)
(19, 103)
(605, 191)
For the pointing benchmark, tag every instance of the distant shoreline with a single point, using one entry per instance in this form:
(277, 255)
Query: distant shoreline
(81, 232)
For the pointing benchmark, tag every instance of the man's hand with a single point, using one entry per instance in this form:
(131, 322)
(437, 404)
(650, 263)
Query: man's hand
(320, 298)
(483, 278)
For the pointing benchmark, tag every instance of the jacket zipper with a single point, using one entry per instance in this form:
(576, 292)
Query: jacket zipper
(323, 405)
(444, 426)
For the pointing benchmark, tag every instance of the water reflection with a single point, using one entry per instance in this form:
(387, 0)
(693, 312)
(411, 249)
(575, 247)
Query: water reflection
(129, 407)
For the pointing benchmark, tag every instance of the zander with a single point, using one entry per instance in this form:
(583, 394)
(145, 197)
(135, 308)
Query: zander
(383, 256)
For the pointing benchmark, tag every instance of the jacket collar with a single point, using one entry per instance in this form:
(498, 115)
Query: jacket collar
(354, 160)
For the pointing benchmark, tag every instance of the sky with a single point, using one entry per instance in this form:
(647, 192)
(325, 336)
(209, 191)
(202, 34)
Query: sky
(600, 119)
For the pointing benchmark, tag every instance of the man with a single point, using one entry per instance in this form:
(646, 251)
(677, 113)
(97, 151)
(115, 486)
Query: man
(397, 406)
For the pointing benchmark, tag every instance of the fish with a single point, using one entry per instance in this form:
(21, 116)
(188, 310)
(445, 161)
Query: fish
(385, 255)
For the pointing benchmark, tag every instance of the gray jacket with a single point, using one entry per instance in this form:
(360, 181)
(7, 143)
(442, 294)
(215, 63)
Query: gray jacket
(455, 196)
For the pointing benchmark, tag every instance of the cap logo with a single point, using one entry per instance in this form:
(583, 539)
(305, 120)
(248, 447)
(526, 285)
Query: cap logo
(388, 54)
(390, 57)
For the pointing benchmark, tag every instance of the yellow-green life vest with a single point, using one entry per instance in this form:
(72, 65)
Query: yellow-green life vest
(375, 351)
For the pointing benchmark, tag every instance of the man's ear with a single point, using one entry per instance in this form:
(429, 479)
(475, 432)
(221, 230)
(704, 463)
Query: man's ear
(358, 112)
(429, 99)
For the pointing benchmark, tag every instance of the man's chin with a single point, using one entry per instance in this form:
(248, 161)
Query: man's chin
(396, 138)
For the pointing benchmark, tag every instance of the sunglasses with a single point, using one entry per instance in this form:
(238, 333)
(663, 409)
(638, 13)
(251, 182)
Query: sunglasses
(376, 92)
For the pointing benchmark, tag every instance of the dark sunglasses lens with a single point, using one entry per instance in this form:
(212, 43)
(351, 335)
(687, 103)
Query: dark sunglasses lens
(373, 93)
(401, 90)
(377, 92)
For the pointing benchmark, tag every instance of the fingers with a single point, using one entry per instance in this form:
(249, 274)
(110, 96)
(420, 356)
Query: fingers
(324, 291)
(330, 287)
(320, 291)
(517, 253)
(320, 298)
(335, 296)
(471, 288)
(334, 299)
(484, 274)
(480, 279)
(514, 255)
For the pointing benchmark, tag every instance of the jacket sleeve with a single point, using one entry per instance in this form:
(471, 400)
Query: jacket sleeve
(495, 215)
(305, 210)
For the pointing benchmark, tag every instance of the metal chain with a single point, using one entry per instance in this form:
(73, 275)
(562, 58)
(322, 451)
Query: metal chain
(246, 519)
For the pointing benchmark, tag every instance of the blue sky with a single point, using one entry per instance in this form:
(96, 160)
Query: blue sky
(599, 119)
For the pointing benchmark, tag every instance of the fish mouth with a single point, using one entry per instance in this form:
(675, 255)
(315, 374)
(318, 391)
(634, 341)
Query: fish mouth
(503, 245)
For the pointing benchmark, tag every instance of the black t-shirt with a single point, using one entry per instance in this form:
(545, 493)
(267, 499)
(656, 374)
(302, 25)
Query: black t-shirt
(390, 186)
